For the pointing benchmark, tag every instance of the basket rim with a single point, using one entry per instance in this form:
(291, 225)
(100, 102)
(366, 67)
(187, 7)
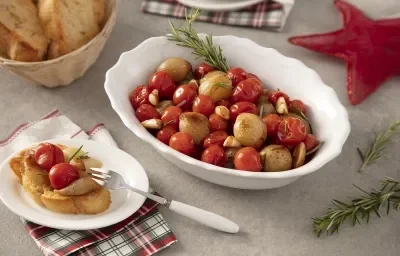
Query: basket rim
(110, 22)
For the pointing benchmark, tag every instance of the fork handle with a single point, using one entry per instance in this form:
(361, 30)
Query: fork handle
(204, 217)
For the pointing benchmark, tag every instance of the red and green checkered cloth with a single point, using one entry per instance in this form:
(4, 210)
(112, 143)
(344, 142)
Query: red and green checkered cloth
(267, 15)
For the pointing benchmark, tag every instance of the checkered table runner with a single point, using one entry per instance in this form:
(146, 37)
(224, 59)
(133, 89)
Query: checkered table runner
(267, 15)
(143, 233)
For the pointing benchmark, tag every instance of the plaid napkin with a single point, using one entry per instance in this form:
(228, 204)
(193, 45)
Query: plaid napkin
(269, 14)
(143, 233)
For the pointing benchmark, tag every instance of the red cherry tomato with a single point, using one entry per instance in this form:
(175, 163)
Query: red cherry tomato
(272, 122)
(63, 174)
(47, 155)
(223, 102)
(296, 105)
(311, 142)
(214, 155)
(217, 123)
(166, 133)
(184, 93)
(170, 116)
(247, 90)
(202, 70)
(182, 142)
(163, 82)
(250, 75)
(274, 96)
(139, 96)
(236, 75)
(215, 138)
(146, 112)
(291, 131)
(242, 107)
(248, 159)
(198, 150)
(203, 104)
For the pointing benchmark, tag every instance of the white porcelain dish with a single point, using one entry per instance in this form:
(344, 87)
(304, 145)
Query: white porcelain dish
(219, 5)
(328, 117)
(124, 203)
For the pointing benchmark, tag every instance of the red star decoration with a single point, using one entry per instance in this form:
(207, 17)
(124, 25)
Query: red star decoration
(371, 49)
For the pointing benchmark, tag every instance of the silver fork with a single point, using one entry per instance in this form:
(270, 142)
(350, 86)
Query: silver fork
(114, 181)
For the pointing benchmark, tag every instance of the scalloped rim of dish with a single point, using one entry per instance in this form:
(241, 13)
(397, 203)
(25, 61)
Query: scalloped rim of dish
(301, 171)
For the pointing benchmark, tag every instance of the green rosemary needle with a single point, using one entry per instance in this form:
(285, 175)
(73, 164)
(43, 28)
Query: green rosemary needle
(359, 208)
(381, 140)
(188, 37)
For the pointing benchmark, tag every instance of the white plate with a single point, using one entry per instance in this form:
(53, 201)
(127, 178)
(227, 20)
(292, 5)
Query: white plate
(219, 5)
(124, 203)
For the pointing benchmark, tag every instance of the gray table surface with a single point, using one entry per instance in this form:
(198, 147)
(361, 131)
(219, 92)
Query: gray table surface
(275, 222)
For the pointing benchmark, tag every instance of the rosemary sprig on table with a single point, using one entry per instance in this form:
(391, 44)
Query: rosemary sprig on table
(188, 37)
(381, 140)
(359, 208)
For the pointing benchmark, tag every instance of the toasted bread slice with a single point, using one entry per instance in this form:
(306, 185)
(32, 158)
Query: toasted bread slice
(21, 36)
(91, 203)
(69, 24)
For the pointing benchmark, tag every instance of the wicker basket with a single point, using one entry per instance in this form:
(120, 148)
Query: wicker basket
(65, 69)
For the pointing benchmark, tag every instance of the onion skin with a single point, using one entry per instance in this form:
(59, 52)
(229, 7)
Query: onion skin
(177, 68)
(216, 85)
(277, 158)
(250, 130)
(194, 124)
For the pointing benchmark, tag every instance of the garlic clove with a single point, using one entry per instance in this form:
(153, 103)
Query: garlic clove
(194, 84)
(281, 106)
(231, 142)
(152, 124)
(154, 98)
(163, 105)
(223, 112)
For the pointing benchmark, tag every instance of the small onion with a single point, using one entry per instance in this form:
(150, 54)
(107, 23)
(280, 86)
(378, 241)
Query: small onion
(177, 68)
(250, 130)
(217, 85)
(194, 124)
(277, 158)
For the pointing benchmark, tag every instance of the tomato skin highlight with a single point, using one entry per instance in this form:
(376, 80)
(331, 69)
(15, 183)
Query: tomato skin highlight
(214, 155)
(248, 159)
(202, 70)
(236, 75)
(184, 93)
(171, 115)
(291, 131)
(63, 174)
(139, 96)
(247, 90)
(162, 82)
(47, 155)
(146, 112)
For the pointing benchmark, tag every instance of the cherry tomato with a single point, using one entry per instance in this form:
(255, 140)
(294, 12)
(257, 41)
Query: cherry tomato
(203, 104)
(139, 96)
(223, 102)
(47, 155)
(274, 96)
(248, 159)
(171, 115)
(242, 107)
(296, 106)
(214, 155)
(217, 123)
(198, 150)
(146, 112)
(247, 90)
(311, 142)
(164, 83)
(215, 138)
(272, 122)
(184, 93)
(182, 142)
(236, 75)
(202, 70)
(250, 75)
(166, 133)
(63, 174)
(291, 131)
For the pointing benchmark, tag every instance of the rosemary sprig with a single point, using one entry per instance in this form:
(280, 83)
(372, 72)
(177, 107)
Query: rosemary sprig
(359, 208)
(72, 157)
(381, 140)
(188, 37)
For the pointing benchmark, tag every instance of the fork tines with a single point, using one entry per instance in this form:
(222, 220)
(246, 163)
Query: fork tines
(101, 176)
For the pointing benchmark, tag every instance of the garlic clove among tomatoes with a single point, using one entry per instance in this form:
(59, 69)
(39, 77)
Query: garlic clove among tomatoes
(194, 124)
(250, 130)
(162, 105)
(299, 155)
(216, 85)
